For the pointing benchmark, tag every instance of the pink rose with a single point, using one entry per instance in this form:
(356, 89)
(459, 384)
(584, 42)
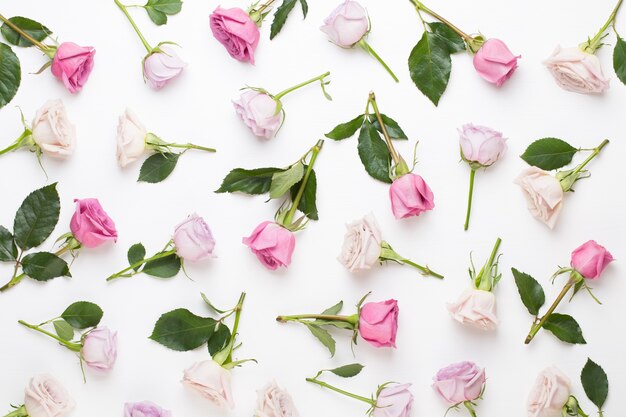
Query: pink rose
(72, 64)
(100, 349)
(577, 71)
(494, 62)
(272, 244)
(258, 112)
(46, 397)
(394, 400)
(274, 401)
(410, 196)
(52, 130)
(347, 24)
(145, 409)
(590, 259)
(378, 323)
(549, 394)
(543, 193)
(193, 239)
(459, 382)
(161, 67)
(234, 29)
(211, 381)
(476, 308)
(481, 144)
(90, 224)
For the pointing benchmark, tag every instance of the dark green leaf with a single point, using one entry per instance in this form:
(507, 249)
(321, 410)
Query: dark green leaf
(8, 250)
(454, 42)
(63, 329)
(164, 267)
(249, 181)
(282, 181)
(305, 7)
(44, 266)
(182, 330)
(549, 153)
(338, 324)
(530, 291)
(323, 336)
(159, 9)
(219, 339)
(565, 328)
(37, 216)
(430, 66)
(280, 17)
(374, 153)
(393, 129)
(595, 382)
(619, 59)
(158, 167)
(308, 204)
(35, 29)
(10, 74)
(345, 130)
(158, 17)
(83, 314)
(348, 371)
(334, 309)
(136, 253)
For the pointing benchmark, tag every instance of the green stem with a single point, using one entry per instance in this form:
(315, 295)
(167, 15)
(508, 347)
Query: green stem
(264, 6)
(19, 412)
(595, 152)
(75, 347)
(224, 356)
(137, 264)
(420, 6)
(132, 22)
(363, 44)
(397, 159)
(538, 325)
(295, 87)
(340, 391)
(469, 199)
(485, 283)
(44, 48)
(426, 270)
(328, 317)
(182, 145)
(19, 142)
(470, 408)
(388, 254)
(594, 43)
(314, 151)
(17, 278)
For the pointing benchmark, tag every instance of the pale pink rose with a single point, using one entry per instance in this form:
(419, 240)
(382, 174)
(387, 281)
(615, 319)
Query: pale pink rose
(378, 323)
(52, 130)
(481, 144)
(361, 244)
(476, 308)
(131, 138)
(459, 382)
(347, 24)
(590, 259)
(161, 67)
(193, 239)
(274, 401)
(212, 382)
(410, 196)
(91, 225)
(577, 71)
(272, 244)
(258, 112)
(543, 193)
(44, 396)
(234, 29)
(394, 400)
(145, 409)
(549, 394)
(100, 349)
(494, 62)
(72, 65)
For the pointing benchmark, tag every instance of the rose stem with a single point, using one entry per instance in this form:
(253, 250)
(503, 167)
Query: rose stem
(295, 87)
(17, 278)
(44, 48)
(19, 412)
(76, 347)
(143, 261)
(132, 22)
(420, 6)
(264, 6)
(595, 152)
(363, 44)
(470, 408)
(397, 159)
(185, 146)
(330, 317)
(296, 201)
(492, 257)
(349, 394)
(426, 270)
(594, 43)
(228, 350)
(536, 326)
(469, 199)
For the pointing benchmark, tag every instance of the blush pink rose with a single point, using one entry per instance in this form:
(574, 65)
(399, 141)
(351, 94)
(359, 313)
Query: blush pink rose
(378, 323)
(44, 396)
(481, 144)
(273, 401)
(52, 130)
(258, 111)
(494, 62)
(145, 409)
(347, 24)
(161, 67)
(272, 244)
(459, 382)
(72, 65)
(543, 193)
(549, 394)
(91, 225)
(361, 244)
(100, 349)
(211, 381)
(410, 196)
(577, 71)
(476, 308)
(590, 259)
(193, 239)
(394, 400)
(234, 29)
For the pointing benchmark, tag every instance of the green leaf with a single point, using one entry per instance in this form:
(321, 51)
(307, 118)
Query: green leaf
(305, 7)
(374, 153)
(348, 371)
(393, 129)
(37, 216)
(280, 17)
(211, 305)
(282, 181)
(308, 203)
(430, 66)
(334, 309)
(249, 181)
(35, 29)
(454, 42)
(158, 17)
(82, 314)
(323, 336)
(164, 267)
(10, 74)
(619, 59)
(159, 9)
(63, 329)
(549, 153)
(8, 250)
(44, 266)
(530, 291)
(346, 130)
(182, 330)
(158, 167)
(219, 339)
(136, 253)
(565, 328)
(595, 382)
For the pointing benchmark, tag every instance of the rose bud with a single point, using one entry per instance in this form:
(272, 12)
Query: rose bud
(272, 244)
(212, 382)
(193, 239)
(494, 62)
(476, 308)
(162, 66)
(577, 71)
(347, 24)
(378, 323)
(410, 196)
(258, 111)
(145, 409)
(459, 382)
(361, 245)
(72, 65)
(90, 224)
(52, 130)
(234, 29)
(590, 259)
(131, 138)
(543, 193)
(481, 145)
(394, 400)
(100, 349)
(46, 397)
(274, 401)
(549, 394)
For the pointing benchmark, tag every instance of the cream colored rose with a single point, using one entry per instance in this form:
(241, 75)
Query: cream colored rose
(211, 381)
(476, 308)
(549, 394)
(543, 193)
(274, 402)
(577, 71)
(361, 244)
(46, 397)
(131, 138)
(52, 130)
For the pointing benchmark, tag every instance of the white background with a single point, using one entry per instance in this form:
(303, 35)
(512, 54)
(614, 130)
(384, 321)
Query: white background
(196, 107)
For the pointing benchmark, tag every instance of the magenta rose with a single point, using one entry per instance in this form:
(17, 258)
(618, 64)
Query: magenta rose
(90, 224)
(378, 323)
(145, 409)
(99, 349)
(234, 29)
(193, 239)
(494, 62)
(459, 382)
(272, 244)
(410, 196)
(590, 259)
(72, 64)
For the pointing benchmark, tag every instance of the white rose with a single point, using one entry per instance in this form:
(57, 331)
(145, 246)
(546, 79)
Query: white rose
(577, 71)
(211, 381)
(549, 394)
(131, 138)
(275, 402)
(46, 397)
(52, 130)
(543, 193)
(476, 308)
(362, 244)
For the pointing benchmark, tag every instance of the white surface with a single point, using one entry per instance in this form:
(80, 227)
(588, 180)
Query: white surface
(197, 108)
